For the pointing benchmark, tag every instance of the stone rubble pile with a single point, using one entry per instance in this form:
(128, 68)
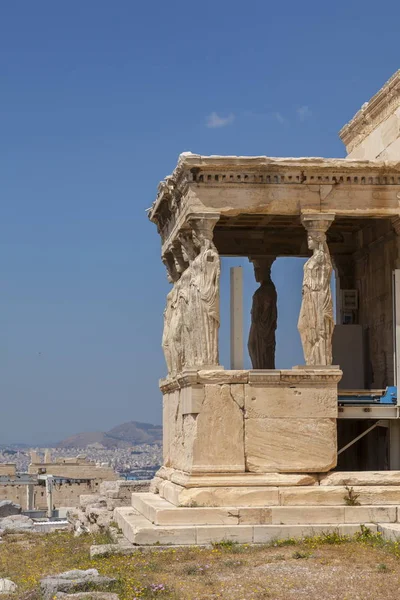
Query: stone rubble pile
(8, 508)
(16, 523)
(86, 582)
(95, 512)
(87, 596)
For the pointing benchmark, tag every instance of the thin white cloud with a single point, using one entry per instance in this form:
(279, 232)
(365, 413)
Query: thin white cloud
(280, 118)
(214, 120)
(304, 113)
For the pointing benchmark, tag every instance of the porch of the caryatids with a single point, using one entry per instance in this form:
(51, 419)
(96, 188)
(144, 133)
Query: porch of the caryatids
(316, 320)
(264, 316)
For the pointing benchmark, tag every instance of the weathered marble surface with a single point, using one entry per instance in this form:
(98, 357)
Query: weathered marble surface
(285, 421)
(191, 316)
(374, 131)
(282, 444)
(316, 320)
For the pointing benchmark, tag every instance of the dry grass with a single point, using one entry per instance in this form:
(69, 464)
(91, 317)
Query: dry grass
(323, 568)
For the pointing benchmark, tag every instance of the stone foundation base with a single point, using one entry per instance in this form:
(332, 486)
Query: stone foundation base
(140, 531)
(258, 514)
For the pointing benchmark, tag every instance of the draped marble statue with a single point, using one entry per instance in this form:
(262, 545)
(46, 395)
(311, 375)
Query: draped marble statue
(316, 321)
(206, 270)
(191, 316)
(187, 308)
(264, 317)
(169, 345)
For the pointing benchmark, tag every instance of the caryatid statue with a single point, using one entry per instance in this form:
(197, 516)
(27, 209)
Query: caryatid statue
(316, 321)
(264, 316)
(206, 270)
(187, 308)
(168, 345)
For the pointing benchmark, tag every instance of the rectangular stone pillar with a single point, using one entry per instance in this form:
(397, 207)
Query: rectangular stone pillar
(30, 492)
(236, 318)
(49, 495)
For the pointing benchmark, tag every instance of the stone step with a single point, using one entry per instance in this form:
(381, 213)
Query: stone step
(311, 495)
(390, 531)
(336, 495)
(159, 511)
(140, 531)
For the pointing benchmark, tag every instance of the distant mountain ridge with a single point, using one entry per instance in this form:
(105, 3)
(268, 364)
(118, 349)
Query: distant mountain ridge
(126, 434)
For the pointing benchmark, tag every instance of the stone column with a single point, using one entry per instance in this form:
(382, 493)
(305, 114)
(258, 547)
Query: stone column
(30, 489)
(316, 320)
(49, 495)
(264, 316)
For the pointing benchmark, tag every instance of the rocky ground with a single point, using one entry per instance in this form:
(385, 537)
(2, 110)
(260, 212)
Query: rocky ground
(325, 568)
(95, 512)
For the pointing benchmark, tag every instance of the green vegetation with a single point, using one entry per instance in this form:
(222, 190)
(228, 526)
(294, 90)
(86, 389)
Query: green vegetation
(194, 573)
(351, 498)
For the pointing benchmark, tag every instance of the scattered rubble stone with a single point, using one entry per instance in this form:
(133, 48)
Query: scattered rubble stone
(8, 508)
(75, 581)
(16, 523)
(100, 550)
(7, 586)
(96, 511)
(94, 500)
(87, 596)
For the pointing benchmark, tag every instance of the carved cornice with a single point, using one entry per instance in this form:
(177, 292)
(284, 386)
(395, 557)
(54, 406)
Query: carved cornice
(328, 375)
(372, 113)
(168, 385)
(173, 207)
(273, 377)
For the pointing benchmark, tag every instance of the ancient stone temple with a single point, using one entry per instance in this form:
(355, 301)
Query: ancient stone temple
(250, 452)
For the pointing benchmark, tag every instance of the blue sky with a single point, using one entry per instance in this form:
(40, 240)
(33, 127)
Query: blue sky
(97, 100)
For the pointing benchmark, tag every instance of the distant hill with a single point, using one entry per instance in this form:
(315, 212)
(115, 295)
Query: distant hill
(127, 434)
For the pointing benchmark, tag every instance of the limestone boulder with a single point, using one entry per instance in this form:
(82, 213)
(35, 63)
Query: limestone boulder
(8, 508)
(115, 503)
(80, 529)
(101, 517)
(7, 586)
(17, 523)
(108, 486)
(87, 596)
(92, 500)
(75, 581)
(123, 488)
(102, 550)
